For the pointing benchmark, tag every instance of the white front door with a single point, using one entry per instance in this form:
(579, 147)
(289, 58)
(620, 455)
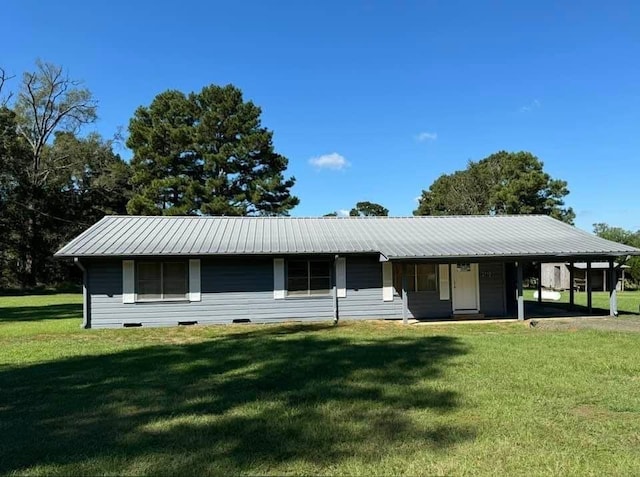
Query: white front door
(465, 287)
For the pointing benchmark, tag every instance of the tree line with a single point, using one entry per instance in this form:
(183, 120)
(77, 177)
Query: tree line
(627, 237)
(198, 153)
(204, 152)
(53, 182)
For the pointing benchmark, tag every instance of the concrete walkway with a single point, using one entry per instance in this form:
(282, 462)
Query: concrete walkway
(462, 322)
(571, 318)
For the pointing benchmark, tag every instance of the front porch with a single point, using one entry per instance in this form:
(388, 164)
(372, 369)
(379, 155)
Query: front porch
(484, 290)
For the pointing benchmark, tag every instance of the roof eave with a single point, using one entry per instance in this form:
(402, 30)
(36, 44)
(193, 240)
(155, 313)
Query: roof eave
(209, 254)
(584, 256)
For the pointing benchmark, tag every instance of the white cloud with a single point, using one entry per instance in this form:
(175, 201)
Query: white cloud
(342, 213)
(333, 161)
(535, 104)
(426, 136)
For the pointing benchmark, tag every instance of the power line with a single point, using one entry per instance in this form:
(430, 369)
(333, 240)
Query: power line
(75, 222)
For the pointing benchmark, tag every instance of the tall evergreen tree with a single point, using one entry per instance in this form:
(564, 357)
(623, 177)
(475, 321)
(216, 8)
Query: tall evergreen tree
(206, 153)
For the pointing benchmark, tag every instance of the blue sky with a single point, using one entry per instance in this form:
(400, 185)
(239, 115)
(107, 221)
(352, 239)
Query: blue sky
(384, 95)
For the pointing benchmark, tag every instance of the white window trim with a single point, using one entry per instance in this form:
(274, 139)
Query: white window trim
(341, 277)
(387, 281)
(279, 285)
(444, 281)
(194, 291)
(128, 281)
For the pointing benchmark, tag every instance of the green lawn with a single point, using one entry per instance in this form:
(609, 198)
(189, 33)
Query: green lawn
(628, 301)
(362, 399)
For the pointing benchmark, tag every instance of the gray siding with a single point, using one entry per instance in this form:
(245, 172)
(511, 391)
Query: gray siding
(427, 305)
(492, 289)
(231, 289)
(364, 296)
(242, 288)
(364, 292)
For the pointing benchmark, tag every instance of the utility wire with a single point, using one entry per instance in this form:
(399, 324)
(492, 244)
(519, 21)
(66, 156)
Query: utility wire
(75, 222)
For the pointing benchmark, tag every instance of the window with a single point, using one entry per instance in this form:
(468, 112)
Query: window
(420, 277)
(463, 267)
(308, 277)
(162, 281)
(426, 277)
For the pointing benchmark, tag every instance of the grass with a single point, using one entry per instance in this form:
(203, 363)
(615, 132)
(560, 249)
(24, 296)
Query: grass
(361, 398)
(628, 301)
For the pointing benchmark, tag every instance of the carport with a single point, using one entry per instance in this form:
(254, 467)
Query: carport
(587, 262)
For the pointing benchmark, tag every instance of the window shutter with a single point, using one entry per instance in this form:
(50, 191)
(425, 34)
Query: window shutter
(128, 282)
(387, 281)
(194, 280)
(278, 279)
(341, 277)
(443, 275)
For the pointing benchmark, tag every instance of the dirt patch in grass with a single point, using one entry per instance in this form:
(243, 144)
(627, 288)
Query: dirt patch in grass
(629, 324)
(593, 412)
(590, 411)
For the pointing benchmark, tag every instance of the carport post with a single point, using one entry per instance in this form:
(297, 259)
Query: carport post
(572, 286)
(539, 282)
(405, 318)
(520, 295)
(589, 289)
(613, 293)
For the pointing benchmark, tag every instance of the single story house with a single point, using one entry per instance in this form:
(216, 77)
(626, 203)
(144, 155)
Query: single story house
(557, 276)
(162, 271)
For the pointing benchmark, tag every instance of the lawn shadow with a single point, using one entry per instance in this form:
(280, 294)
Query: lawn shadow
(37, 313)
(556, 309)
(234, 404)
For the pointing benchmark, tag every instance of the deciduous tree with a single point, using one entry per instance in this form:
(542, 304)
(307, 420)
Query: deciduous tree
(48, 101)
(627, 237)
(503, 183)
(53, 182)
(368, 209)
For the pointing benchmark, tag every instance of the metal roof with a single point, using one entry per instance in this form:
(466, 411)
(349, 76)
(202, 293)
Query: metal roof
(394, 237)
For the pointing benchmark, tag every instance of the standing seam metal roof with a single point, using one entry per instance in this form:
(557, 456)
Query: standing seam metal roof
(394, 237)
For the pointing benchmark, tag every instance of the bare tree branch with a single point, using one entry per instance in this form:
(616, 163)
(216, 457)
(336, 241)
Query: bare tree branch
(3, 80)
(48, 102)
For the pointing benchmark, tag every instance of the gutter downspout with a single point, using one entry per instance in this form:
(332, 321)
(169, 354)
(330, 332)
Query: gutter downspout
(86, 307)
